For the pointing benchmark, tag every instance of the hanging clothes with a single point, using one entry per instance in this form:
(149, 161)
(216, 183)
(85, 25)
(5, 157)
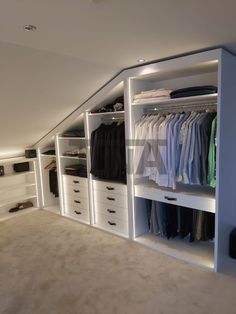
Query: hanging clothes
(108, 152)
(169, 221)
(173, 148)
(53, 181)
(212, 156)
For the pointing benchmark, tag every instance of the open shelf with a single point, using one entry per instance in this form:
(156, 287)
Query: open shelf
(16, 160)
(192, 199)
(11, 175)
(46, 155)
(198, 253)
(16, 199)
(71, 157)
(109, 113)
(16, 186)
(71, 138)
(22, 212)
(179, 101)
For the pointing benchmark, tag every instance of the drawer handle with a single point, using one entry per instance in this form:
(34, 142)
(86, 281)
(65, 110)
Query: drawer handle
(112, 223)
(111, 199)
(111, 211)
(170, 198)
(109, 188)
(77, 202)
(75, 181)
(76, 191)
(77, 213)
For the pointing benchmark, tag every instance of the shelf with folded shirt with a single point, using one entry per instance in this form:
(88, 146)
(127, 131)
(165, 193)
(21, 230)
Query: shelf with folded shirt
(73, 157)
(172, 103)
(176, 231)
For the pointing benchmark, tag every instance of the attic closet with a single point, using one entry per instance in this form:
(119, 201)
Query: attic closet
(168, 183)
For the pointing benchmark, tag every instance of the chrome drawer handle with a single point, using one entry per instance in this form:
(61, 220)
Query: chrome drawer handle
(112, 223)
(78, 213)
(111, 199)
(170, 198)
(76, 191)
(111, 211)
(74, 181)
(109, 188)
(77, 202)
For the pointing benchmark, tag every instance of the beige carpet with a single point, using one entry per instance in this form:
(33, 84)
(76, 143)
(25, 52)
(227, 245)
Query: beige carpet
(51, 265)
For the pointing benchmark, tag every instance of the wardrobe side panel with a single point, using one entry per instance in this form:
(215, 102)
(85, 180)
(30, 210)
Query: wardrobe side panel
(226, 160)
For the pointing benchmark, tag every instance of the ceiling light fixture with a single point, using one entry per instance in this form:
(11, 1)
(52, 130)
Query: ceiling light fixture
(141, 60)
(30, 28)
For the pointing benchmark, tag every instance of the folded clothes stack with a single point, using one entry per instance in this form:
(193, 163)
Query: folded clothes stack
(152, 95)
(117, 105)
(50, 152)
(80, 153)
(74, 133)
(194, 91)
(76, 170)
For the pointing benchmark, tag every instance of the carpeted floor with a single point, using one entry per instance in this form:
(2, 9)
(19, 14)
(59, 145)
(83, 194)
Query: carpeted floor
(51, 265)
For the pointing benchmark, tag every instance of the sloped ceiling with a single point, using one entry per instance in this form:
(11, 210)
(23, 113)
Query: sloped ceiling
(81, 44)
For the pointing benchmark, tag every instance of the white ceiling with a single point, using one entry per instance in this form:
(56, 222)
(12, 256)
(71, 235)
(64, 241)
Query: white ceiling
(80, 44)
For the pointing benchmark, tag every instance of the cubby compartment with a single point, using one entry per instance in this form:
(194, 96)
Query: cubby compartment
(197, 252)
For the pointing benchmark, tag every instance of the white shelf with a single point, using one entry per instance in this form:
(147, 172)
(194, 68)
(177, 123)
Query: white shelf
(16, 160)
(198, 253)
(71, 157)
(197, 200)
(71, 138)
(106, 113)
(12, 175)
(16, 199)
(45, 155)
(22, 212)
(176, 101)
(15, 187)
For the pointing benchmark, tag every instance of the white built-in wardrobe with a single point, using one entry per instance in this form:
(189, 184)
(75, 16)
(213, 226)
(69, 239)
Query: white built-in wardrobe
(120, 208)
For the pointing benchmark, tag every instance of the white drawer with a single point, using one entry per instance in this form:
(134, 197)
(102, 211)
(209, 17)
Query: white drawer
(73, 190)
(79, 202)
(117, 225)
(111, 211)
(201, 202)
(103, 186)
(78, 214)
(75, 181)
(110, 199)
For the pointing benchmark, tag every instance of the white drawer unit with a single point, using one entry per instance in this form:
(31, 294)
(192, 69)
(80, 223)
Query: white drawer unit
(76, 213)
(76, 191)
(111, 199)
(117, 188)
(117, 225)
(111, 211)
(201, 202)
(75, 181)
(79, 202)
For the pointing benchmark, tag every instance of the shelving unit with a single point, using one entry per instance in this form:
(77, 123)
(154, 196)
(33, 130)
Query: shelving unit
(72, 157)
(18, 187)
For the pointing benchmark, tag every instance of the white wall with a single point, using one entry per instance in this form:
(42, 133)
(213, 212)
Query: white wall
(38, 89)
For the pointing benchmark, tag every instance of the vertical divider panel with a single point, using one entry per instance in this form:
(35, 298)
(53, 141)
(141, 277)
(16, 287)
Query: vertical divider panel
(60, 181)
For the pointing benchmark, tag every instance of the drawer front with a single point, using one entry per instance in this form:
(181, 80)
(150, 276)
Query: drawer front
(76, 191)
(111, 211)
(200, 202)
(76, 201)
(116, 188)
(117, 225)
(75, 181)
(78, 213)
(111, 199)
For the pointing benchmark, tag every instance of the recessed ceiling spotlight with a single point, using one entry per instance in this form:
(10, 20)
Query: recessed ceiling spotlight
(141, 60)
(30, 28)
